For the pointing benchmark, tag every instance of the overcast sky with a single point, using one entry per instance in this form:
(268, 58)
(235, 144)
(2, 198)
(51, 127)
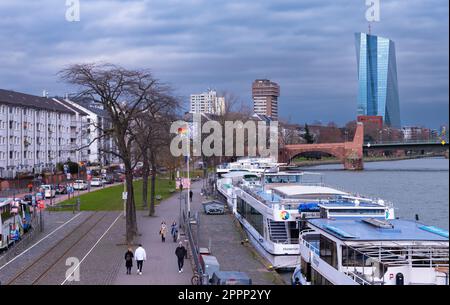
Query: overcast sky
(307, 46)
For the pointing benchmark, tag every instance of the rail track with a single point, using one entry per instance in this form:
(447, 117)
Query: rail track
(41, 266)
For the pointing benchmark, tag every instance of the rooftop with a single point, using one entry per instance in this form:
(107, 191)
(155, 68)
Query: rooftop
(358, 229)
(31, 101)
(298, 190)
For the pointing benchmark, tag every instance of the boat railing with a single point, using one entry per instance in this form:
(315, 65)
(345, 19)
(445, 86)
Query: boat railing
(285, 241)
(358, 277)
(310, 246)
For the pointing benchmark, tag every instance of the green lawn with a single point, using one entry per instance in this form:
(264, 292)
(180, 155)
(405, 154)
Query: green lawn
(110, 199)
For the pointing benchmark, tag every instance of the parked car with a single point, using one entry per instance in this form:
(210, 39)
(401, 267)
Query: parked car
(80, 185)
(119, 177)
(230, 278)
(61, 189)
(108, 179)
(49, 190)
(96, 181)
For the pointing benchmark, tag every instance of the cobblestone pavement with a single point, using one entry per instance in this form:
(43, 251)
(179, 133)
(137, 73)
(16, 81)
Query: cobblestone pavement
(223, 234)
(161, 265)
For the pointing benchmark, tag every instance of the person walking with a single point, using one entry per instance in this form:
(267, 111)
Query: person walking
(191, 194)
(174, 231)
(180, 252)
(140, 255)
(163, 231)
(129, 260)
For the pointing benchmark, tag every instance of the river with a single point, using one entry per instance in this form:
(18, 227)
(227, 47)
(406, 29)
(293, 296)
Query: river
(418, 186)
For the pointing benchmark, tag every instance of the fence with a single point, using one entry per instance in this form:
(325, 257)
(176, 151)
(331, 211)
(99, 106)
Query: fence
(195, 255)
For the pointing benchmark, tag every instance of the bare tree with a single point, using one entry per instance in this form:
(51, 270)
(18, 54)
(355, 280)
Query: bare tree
(124, 94)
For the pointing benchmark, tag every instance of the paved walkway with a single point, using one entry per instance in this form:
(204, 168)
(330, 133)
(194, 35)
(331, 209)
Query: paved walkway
(161, 265)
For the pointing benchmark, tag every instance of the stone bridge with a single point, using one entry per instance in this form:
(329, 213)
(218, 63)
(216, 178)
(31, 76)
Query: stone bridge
(350, 153)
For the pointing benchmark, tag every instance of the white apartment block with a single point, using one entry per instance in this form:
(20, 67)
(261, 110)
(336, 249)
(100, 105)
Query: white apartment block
(93, 146)
(35, 133)
(207, 102)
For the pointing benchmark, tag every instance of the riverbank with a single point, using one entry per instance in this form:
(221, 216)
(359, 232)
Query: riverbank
(366, 159)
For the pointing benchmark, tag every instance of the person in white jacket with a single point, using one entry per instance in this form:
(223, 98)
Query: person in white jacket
(140, 256)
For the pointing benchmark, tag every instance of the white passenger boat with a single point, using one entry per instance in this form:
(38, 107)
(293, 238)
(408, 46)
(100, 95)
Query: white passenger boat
(253, 165)
(369, 251)
(270, 205)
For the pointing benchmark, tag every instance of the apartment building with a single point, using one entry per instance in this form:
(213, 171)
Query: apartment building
(265, 95)
(95, 146)
(207, 102)
(35, 133)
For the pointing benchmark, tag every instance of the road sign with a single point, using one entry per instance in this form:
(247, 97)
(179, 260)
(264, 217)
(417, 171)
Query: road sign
(124, 195)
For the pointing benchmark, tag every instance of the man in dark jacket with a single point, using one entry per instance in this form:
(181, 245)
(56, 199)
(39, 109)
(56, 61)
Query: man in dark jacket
(180, 252)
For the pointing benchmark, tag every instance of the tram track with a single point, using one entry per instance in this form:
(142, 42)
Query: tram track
(47, 261)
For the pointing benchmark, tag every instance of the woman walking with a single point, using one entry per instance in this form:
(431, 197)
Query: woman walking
(129, 260)
(174, 231)
(163, 231)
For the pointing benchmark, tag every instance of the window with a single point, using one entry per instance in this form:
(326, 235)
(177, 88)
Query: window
(251, 215)
(11, 154)
(328, 251)
(318, 279)
(306, 269)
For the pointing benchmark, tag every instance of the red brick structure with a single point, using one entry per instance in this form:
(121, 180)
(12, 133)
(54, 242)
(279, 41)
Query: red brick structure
(350, 153)
(376, 120)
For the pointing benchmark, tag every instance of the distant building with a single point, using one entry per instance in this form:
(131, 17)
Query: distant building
(416, 133)
(265, 98)
(207, 102)
(376, 120)
(377, 78)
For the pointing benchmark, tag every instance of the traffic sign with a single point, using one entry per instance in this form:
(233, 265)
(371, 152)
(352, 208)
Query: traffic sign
(124, 195)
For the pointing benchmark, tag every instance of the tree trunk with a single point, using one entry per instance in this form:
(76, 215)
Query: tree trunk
(131, 224)
(145, 174)
(152, 189)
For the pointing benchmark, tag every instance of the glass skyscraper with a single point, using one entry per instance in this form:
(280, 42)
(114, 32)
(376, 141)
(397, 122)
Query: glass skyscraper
(377, 78)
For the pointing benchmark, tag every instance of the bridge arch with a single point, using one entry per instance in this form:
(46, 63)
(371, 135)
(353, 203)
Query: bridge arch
(350, 153)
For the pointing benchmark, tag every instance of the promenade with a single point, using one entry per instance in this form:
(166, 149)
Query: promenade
(161, 265)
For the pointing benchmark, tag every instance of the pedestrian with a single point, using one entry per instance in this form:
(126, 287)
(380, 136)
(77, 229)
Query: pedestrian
(129, 260)
(163, 231)
(191, 194)
(174, 231)
(180, 252)
(140, 256)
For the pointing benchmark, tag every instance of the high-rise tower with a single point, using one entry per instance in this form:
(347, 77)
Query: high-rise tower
(377, 77)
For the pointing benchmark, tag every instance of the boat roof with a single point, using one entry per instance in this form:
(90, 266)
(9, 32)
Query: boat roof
(362, 230)
(296, 189)
(285, 173)
(234, 174)
(346, 204)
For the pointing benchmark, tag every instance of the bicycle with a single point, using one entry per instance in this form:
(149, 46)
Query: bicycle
(195, 280)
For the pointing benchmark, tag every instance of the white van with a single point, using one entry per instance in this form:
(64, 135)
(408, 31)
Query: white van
(49, 191)
(80, 185)
(96, 181)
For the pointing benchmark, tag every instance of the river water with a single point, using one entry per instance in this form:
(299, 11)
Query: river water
(418, 186)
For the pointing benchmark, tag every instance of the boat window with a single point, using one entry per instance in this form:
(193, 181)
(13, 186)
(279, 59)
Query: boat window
(354, 258)
(328, 251)
(306, 270)
(293, 229)
(357, 211)
(318, 279)
(251, 215)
